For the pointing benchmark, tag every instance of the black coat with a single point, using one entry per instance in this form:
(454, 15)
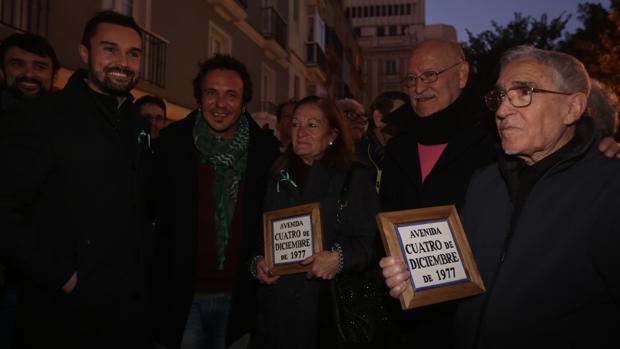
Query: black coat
(294, 312)
(471, 147)
(176, 191)
(72, 198)
(557, 284)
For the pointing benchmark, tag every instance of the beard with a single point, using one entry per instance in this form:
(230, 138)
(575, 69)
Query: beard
(20, 94)
(108, 85)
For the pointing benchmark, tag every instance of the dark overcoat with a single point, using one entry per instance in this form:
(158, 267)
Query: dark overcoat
(175, 188)
(72, 199)
(294, 312)
(550, 268)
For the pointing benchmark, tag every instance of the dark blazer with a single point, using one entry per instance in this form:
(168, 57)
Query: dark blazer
(72, 198)
(472, 148)
(176, 193)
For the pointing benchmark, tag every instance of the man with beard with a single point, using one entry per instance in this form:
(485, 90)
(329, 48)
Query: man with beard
(29, 65)
(72, 201)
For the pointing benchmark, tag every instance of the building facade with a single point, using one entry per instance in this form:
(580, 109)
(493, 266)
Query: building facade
(286, 45)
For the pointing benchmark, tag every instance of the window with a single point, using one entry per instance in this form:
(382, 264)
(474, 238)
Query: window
(347, 12)
(392, 30)
(268, 89)
(122, 6)
(296, 13)
(25, 15)
(219, 41)
(408, 9)
(372, 11)
(381, 31)
(357, 32)
(389, 8)
(390, 67)
(383, 11)
(365, 11)
(138, 9)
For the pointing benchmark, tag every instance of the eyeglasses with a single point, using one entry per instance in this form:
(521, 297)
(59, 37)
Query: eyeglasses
(519, 97)
(427, 77)
(355, 116)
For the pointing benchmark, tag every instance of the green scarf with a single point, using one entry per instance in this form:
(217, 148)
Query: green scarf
(229, 158)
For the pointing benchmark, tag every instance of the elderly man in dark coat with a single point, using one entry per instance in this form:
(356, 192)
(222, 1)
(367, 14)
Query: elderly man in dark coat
(541, 221)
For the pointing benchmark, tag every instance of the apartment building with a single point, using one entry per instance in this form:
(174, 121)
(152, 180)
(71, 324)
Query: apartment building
(385, 31)
(291, 48)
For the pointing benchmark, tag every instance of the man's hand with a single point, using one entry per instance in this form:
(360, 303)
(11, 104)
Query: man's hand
(263, 273)
(70, 285)
(396, 275)
(325, 265)
(609, 147)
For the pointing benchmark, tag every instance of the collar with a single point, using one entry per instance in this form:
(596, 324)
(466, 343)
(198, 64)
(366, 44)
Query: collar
(444, 125)
(572, 151)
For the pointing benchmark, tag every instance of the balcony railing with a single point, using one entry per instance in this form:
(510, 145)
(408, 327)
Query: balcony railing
(273, 26)
(315, 56)
(25, 15)
(154, 60)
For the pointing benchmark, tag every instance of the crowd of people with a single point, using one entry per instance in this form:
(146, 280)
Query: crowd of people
(120, 229)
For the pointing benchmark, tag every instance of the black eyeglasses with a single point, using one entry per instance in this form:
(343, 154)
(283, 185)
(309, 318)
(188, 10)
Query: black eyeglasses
(355, 116)
(427, 77)
(519, 97)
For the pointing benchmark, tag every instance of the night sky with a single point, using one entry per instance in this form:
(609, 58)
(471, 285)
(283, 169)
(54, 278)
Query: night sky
(476, 15)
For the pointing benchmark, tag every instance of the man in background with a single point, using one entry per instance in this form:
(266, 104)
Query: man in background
(153, 109)
(29, 65)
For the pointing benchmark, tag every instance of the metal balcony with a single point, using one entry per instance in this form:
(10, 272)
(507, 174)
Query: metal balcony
(315, 56)
(153, 68)
(30, 16)
(273, 26)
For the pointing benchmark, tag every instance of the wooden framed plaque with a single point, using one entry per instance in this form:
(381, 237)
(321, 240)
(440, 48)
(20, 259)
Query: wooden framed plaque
(432, 243)
(292, 235)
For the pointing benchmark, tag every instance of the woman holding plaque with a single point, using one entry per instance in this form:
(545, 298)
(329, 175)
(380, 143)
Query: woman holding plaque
(296, 310)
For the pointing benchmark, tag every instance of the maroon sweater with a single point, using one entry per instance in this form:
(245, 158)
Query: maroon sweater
(208, 278)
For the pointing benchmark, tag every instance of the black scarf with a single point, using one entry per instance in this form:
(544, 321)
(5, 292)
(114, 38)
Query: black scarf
(444, 125)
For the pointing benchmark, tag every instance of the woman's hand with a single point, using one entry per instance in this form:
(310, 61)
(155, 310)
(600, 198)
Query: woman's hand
(396, 275)
(263, 273)
(324, 265)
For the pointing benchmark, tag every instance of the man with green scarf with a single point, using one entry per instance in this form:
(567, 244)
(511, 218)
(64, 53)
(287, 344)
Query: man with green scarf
(209, 180)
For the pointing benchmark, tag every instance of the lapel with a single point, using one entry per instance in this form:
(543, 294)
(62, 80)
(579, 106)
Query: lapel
(459, 145)
(404, 150)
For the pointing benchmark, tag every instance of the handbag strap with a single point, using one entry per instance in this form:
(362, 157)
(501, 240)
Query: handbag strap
(342, 199)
